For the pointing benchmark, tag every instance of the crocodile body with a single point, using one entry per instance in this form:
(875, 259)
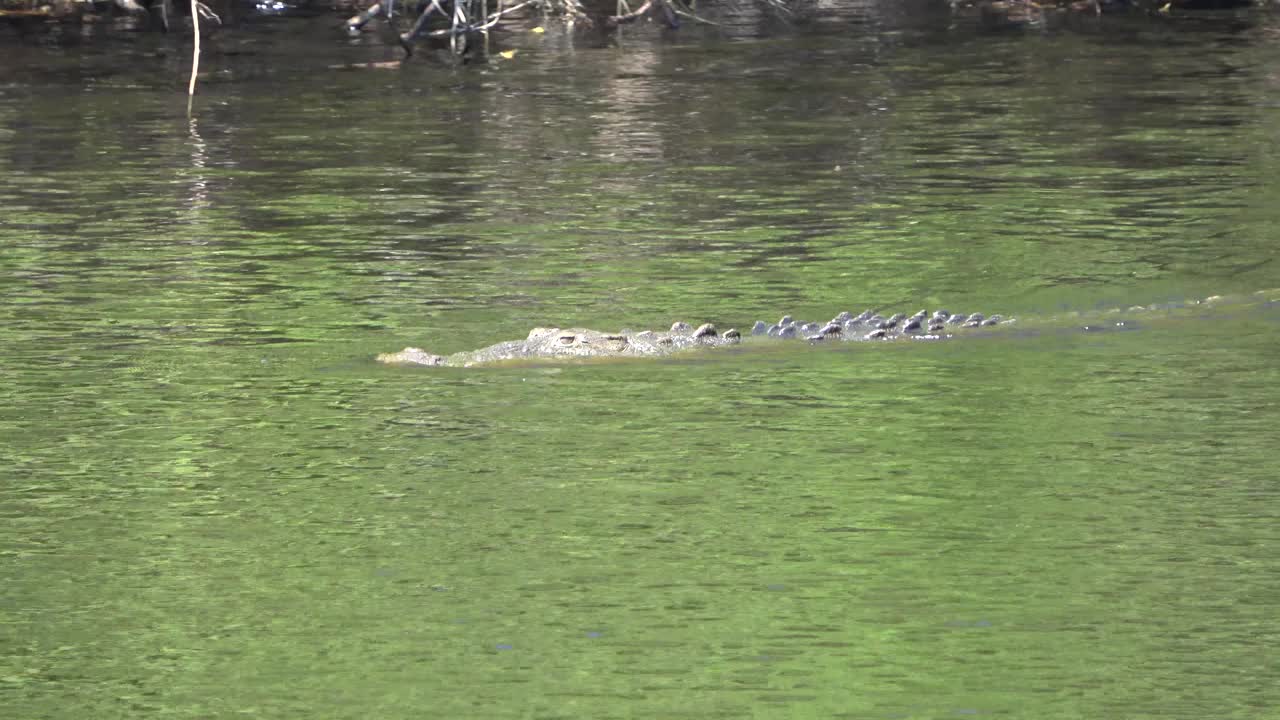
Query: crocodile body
(555, 344)
(552, 344)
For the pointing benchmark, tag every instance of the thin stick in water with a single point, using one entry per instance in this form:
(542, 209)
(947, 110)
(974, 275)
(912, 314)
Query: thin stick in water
(195, 52)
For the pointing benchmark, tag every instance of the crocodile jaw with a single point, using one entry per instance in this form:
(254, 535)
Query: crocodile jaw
(411, 356)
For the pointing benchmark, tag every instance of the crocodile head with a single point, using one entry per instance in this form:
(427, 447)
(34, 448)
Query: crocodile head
(576, 342)
(555, 343)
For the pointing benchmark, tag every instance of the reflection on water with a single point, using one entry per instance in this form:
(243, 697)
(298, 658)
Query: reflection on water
(215, 503)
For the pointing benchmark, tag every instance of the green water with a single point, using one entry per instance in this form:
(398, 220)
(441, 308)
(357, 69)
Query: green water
(215, 504)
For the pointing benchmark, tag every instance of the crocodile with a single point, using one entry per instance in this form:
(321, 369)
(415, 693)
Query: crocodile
(551, 344)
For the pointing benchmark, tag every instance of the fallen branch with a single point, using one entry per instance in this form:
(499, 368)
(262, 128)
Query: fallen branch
(489, 22)
(670, 11)
(631, 16)
(494, 18)
(362, 18)
(689, 14)
(406, 39)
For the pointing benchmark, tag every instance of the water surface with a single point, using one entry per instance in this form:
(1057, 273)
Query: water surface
(216, 505)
